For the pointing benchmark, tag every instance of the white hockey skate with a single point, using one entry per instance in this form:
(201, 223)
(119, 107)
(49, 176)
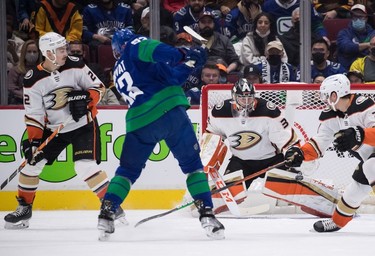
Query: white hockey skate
(19, 219)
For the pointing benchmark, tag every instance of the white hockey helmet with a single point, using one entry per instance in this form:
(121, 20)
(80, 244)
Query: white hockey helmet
(338, 83)
(50, 42)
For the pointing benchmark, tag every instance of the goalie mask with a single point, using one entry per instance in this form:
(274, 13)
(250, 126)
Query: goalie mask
(339, 84)
(119, 40)
(243, 95)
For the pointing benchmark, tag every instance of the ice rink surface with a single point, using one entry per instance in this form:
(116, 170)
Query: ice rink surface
(70, 233)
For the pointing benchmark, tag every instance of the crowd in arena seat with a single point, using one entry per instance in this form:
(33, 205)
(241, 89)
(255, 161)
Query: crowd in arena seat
(257, 34)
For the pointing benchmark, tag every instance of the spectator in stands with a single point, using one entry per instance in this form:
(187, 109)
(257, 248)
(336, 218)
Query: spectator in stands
(318, 79)
(145, 21)
(333, 9)
(253, 74)
(109, 98)
(354, 41)
(254, 44)
(101, 20)
(173, 5)
(30, 57)
(320, 63)
(274, 70)
(26, 15)
(355, 77)
(166, 18)
(223, 78)
(366, 65)
(240, 20)
(190, 14)
(13, 40)
(224, 6)
(210, 75)
(282, 10)
(60, 16)
(291, 39)
(217, 45)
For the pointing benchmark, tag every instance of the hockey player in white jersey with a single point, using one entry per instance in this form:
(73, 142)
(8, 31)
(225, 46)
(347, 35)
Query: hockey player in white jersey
(256, 131)
(59, 89)
(348, 122)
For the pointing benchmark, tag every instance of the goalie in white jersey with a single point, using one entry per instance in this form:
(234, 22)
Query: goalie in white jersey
(59, 89)
(257, 132)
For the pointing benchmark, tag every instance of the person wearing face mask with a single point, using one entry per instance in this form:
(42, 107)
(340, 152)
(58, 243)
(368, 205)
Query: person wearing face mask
(320, 63)
(274, 70)
(30, 56)
(254, 44)
(354, 41)
(217, 45)
(366, 65)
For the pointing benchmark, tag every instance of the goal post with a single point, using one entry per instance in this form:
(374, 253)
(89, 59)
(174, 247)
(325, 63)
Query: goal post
(301, 105)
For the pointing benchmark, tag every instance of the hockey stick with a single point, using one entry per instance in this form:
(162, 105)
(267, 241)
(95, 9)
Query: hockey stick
(194, 34)
(53, 135)
(212, 193)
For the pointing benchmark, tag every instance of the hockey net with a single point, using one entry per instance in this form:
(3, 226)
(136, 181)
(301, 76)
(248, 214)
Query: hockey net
(301, 105)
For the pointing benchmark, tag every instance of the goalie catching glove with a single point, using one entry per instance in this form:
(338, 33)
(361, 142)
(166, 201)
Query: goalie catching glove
(78, 101)
(349, 138)
(294, 157)
(29, 148)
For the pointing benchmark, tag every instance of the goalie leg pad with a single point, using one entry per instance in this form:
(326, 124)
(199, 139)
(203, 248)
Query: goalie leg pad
(213, 151)
(313, 195)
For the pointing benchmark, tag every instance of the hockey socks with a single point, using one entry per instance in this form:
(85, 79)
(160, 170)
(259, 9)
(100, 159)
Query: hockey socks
(197, 185)
(117, 191)
(27, 186)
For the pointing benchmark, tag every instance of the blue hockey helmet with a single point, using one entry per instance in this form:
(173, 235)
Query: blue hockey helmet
(119, 39)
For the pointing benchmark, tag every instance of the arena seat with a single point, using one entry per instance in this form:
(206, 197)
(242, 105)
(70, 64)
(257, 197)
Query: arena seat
(105, 57)
(333, 26)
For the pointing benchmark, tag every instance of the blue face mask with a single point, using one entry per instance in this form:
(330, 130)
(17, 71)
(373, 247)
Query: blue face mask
(358, 24)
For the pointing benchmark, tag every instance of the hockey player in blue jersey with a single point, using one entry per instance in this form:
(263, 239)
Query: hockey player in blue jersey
(149, 75)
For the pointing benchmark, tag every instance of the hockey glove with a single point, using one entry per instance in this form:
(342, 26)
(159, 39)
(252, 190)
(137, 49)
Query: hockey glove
(78, 101)
(197, 56)
(29, 148)
(294, 157)
(349, 138)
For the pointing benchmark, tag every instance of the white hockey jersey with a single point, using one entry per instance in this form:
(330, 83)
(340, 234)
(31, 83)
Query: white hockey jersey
(361, 112)
(45, 96)
(262, 135)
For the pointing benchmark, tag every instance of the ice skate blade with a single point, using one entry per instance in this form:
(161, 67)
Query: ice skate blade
(103, 236)
(218, 235)
(121, 220)
(23, 224)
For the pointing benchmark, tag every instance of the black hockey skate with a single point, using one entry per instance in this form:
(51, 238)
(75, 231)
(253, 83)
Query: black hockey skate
(106, 220)
(214, 229)
(19, 219)
(326, 225)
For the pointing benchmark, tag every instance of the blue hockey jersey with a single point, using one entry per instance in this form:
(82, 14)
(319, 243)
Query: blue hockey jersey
(149, 76)
(95, 18)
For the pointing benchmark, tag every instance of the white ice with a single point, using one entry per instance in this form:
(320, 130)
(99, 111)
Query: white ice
(71, 233)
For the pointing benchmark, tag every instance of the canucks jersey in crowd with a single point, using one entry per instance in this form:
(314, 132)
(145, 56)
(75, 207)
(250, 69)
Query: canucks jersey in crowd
(332, 68)
(150, 88)
(96, 18)
(185, 17)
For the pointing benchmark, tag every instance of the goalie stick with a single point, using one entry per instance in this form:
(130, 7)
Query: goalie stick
(23, 164)
(212, 192)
